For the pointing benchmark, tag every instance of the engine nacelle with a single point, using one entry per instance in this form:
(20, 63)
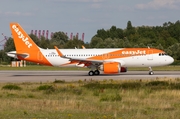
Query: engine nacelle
(112, 67)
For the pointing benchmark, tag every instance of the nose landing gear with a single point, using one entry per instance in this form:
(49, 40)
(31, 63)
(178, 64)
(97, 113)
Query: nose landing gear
(150, 71)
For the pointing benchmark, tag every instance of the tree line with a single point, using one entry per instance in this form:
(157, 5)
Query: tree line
(165, 37)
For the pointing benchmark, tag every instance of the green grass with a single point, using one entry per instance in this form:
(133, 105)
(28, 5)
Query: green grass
(93, 99)
(11, 87)
(38, 67)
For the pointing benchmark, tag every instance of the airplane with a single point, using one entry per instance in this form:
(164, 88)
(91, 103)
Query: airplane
(110, 61)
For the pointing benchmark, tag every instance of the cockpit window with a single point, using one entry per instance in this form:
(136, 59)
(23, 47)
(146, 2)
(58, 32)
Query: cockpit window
(162, 54)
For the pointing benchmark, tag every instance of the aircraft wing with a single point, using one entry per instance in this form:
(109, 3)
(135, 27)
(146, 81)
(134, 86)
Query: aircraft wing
(80, 60)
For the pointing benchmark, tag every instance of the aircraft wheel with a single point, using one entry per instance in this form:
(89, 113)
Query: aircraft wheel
(151, 73)
(91, 73)
(96, 72)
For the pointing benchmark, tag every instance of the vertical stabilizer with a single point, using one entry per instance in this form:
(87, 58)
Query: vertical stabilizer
(22, 40)
(26, 49)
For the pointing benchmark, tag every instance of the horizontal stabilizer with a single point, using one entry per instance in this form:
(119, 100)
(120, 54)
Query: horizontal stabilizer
(14, 54)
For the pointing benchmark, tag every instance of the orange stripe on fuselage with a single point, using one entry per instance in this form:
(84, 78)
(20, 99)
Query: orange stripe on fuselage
(71, 62)
(122, 53)
(126, 52)
(86, 63)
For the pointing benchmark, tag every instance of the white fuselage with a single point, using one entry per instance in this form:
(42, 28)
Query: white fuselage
(144, 60)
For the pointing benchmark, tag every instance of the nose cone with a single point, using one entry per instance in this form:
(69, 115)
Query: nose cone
(170, 60)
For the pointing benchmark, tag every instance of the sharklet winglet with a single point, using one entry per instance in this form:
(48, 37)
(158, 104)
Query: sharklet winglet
(59, 52)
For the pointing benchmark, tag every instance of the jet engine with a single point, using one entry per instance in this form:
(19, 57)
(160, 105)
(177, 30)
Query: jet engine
(112, 67)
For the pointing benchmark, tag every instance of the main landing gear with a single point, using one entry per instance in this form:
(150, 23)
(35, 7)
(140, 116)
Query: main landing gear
(150, 71)
(96, 72)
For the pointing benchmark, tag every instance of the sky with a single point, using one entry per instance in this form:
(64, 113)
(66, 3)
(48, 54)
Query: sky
(85, 16)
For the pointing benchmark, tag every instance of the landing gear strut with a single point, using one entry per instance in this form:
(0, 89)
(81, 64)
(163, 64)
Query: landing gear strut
(96, 72)
(150, 71)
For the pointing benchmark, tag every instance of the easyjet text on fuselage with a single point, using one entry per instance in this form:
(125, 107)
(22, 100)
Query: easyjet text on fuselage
(134, 52)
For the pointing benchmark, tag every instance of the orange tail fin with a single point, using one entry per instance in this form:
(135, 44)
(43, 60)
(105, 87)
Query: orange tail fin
(26, 49)
(22, 40)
